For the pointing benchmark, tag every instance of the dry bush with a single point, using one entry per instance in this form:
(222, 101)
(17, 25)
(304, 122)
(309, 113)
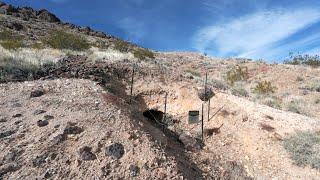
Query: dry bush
(237, 73)
(193, 72)
(122, 46)
(239, 90)
(8, 40)
(59, 39)
(267, 127)
(273, 102)
(264, 87)
(304, 148)
(218, 84)
(143, 54)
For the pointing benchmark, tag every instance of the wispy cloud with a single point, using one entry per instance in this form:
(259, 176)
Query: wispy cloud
(59, 1)
(134, 29)
(256, 34)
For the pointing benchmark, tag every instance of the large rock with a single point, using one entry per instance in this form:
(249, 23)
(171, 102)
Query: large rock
(47, 16)
(189, 142)
(86, 154)
(115, 150)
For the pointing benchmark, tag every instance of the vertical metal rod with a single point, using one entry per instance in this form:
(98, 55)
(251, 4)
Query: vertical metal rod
(205, 87)
(131, 90)
(165, 110)
(202, 123)
(209, 110)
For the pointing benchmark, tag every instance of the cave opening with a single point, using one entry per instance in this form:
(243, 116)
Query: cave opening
(153, 115)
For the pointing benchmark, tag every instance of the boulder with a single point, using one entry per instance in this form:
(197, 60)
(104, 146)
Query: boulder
(86, 154)
(47, 16)
(189, 142)
(42, 123)
(36, 93)
(116, 150)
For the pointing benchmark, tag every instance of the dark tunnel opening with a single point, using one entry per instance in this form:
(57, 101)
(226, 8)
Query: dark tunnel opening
(153, 115)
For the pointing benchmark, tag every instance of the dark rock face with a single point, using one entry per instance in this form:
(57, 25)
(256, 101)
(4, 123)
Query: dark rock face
(17, 115)
(48, 117)
(42, 123)
(38, 111)
(134, 170)
(115, 150)
(36, 93)
(14, 25)
(59, 138)
(39, 160)
(6, 134)
(47, 16)
(72, 129)
(86, 154)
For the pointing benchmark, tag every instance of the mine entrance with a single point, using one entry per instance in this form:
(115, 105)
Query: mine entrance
(154, 115)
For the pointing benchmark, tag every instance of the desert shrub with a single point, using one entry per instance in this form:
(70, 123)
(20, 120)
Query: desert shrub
(11, 44)
(237, 73)
(121, 46)
(311, 60)
(59, 39)
(218, 84)
(273, 102)
(239, 90)
(10, 40)
(264, 87)
(193, 72)
(101, 44)
(304, 148)
(317, 101)
(295, 106)
(299, 79)
(16, 70)
(143, 54)
(37, 45)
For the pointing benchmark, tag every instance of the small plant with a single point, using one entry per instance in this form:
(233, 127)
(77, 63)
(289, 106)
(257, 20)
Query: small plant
(122, 46)
(299, 79)
(10, 40)
(143, 54)
(295, 107)
(264, 87)
(218, 84)
(16, 70)
(303, 148)
(101, 44)
(193, 72)
(310, 60)
(273, 102)
(59, 39)
(237, 73)
(239, 91)
(11, 44)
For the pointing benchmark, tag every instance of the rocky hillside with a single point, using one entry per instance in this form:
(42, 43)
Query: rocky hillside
(66, 109)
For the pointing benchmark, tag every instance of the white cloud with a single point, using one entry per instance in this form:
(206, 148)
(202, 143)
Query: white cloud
(249, 35)
(134, 29)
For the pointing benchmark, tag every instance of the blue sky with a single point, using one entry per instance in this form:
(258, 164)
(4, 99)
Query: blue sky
(258, 29)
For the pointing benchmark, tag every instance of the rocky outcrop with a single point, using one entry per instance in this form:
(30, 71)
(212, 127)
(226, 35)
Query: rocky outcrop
(45, 15)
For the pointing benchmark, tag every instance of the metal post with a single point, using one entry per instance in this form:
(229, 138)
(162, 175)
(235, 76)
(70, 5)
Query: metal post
(165, 110)
(205, 87)
(131, 90)
(209, 110)
(202, 123)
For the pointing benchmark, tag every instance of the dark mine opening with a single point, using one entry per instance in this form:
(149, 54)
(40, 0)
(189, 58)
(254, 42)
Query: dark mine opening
(153, 115)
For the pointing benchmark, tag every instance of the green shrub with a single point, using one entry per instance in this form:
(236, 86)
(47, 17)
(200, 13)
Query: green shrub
(239, 91)
(273, 102)
(143, 54)
(16, 70)
(101, 44)
(218, 84)
(10, 40)
(304, 148)
(310, 60)
(122, 46)
(11, 44)
(193, 72)
(295, 107)
(37, 45)
(237, 73)
(299, 79)
(59, 39)
(264, 87)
